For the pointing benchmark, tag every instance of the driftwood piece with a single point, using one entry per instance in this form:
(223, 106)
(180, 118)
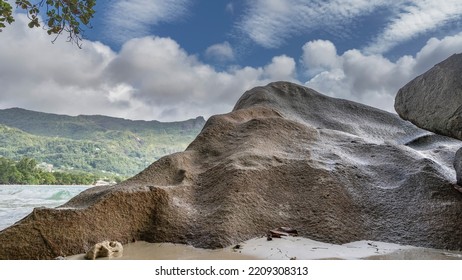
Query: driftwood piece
(281, 231)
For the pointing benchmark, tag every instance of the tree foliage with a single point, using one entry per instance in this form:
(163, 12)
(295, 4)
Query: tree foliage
(92, 143)
(25, 171)
(68, 16)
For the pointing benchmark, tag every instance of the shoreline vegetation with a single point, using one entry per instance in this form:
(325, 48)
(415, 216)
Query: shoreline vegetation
(27, 172)
(98, 145)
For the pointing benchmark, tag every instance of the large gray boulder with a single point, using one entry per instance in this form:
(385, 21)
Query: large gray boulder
(433, 101)
(335, 170)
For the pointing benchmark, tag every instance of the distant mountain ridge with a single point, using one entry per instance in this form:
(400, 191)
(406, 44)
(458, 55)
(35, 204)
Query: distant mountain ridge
(78, 127)
(92, 143)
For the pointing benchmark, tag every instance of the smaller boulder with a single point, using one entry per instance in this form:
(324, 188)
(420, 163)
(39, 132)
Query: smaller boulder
(433, 100)
(105, 249)
(458, 166)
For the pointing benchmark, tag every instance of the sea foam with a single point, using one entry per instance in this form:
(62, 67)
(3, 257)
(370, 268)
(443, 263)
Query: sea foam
(17, 201)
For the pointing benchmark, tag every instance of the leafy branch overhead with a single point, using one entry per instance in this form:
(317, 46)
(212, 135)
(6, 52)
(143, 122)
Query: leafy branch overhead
(68, 16)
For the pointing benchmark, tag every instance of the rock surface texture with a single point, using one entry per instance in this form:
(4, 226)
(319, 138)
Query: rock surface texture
(335, 170)
(458, 166)
(433, 101)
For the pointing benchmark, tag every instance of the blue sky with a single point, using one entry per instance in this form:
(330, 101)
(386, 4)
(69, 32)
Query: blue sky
(177, 59)
(256, 34)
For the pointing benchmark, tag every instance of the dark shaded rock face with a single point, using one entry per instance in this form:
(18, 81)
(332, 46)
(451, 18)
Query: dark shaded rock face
(335, 170)
(433, 101)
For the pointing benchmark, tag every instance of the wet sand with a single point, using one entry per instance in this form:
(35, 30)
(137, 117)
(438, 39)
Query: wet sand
(282, 248)
(141, 250)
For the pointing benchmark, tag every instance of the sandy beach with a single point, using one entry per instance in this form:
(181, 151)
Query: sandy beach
(285, 248)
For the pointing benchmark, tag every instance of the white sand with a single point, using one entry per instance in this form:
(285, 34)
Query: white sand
(307, 249)
(279, 249)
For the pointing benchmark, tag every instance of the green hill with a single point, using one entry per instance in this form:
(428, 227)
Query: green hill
(91, 143)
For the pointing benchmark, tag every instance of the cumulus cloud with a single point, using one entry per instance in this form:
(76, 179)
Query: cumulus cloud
(371, 78)
(166, 77)
(416, 18)
(281, 68)
(220, 52)
(37, 74)
(318, 56)
(126, 19)
(155, 78)
(149, 78)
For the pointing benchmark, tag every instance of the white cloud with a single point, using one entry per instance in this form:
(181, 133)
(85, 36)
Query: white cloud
(154, 78)
(178, 85)
(371, 78)
(150, 78)
(281, 68)
(270, 23)
(126, 19)
(318, 56)
(220, 52)
(416, 18)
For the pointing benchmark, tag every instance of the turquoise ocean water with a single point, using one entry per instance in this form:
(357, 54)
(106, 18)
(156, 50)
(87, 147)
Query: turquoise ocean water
(16, 202)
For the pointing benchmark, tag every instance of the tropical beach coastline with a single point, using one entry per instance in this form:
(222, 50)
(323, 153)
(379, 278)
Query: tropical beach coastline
(322, 174)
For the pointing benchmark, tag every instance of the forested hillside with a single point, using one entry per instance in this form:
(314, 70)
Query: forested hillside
(27, 171)
(91, 143)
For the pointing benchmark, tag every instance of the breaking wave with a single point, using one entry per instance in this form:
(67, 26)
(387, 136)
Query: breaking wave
(16, 202)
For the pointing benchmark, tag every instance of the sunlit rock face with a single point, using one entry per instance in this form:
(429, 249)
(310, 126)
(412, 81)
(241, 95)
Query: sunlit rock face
(335, 170)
